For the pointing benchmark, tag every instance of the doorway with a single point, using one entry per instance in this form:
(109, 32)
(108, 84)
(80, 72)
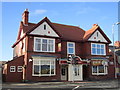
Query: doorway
(64, 72)
(75, 72)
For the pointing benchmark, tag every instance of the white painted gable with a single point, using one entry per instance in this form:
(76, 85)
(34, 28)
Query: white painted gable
(97, 36)
(48, 31)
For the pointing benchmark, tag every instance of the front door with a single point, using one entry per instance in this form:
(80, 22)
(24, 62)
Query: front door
(64, 72)
(76, 72)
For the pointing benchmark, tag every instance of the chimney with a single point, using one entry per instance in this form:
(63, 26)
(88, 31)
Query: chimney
(95, 24)
(25, 17)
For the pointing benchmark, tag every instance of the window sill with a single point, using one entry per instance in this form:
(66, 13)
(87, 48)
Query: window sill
(99, 74)
(43, 75)
(45, 51)
(99, 54)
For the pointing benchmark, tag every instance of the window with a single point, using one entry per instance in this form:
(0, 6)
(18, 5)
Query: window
(63, 71)
(44, 45)
(12, 68)
(19, 69)
(76, 70)
(99, 70)
(44, 67)
(97, 34)
(44, 27)
(71, 48)
(59, 47)
(98, 49)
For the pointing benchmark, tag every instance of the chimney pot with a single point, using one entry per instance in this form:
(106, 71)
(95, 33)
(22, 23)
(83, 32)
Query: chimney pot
(95, 24)
(25, 17)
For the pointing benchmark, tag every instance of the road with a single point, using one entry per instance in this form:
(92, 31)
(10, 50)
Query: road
(88, 85)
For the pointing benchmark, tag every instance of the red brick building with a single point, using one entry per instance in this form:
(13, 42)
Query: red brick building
(49, 51)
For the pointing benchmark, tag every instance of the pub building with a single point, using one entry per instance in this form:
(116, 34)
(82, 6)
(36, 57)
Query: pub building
(48, 51)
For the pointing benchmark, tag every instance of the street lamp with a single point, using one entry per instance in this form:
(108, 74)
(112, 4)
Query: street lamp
(114, 47)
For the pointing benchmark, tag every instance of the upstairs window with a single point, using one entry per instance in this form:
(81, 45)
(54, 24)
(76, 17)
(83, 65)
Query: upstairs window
(59, 47)
(70, 47)
(98, 49)
(44, 27)
(44, 45)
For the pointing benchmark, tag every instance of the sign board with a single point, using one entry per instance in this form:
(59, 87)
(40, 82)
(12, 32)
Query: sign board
(99, 62)
(63, 62)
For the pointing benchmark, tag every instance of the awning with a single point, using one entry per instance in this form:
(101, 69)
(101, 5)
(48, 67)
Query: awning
(44, 56)
(99, 62)
(66, 61)
(99, 58)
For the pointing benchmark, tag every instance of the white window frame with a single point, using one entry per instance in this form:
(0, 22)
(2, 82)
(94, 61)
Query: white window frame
(19, 69)
(100, 50)
(12, 69)
(105, 71)
(70, 47)
(39, 60)
(41, 44)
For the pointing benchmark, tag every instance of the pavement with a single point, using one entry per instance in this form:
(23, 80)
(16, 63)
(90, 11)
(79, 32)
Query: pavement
(83, 85)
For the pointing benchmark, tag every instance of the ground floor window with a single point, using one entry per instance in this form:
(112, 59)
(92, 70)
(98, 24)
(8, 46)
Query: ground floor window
(44, 67)
(19, 69)
(99, 70)
(12, 69)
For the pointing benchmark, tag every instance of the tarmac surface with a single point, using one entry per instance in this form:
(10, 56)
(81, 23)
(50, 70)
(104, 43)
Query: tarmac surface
(83, 85)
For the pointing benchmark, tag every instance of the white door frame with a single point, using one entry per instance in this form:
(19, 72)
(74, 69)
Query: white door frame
(71, 72)
(63, 72)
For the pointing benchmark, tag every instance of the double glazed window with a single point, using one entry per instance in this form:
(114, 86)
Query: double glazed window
(12, 69)
(98, 49)
(43, 67)
(70, 48)
(44, 45)
(99, 70)
(20, 69)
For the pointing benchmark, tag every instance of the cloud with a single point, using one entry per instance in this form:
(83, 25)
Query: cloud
(86, 10)
(39, 11)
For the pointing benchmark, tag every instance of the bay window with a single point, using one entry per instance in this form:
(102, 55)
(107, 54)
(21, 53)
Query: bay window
(99, 70)
(98, 49)
(44, 44)
(44, 67)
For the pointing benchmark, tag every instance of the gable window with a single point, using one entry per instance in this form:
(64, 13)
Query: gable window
(99, 70)
(44, 27)
(98, 49)
(44, 45)
(43, 67)
(19, 69)
(97, 34)
(12, 68)
(70, 47)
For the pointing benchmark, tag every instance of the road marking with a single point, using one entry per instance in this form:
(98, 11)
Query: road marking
(75, 87)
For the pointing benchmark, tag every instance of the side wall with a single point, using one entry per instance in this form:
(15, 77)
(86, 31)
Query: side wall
(13, 76)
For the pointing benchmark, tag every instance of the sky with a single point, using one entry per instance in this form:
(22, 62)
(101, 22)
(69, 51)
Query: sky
(82, 14)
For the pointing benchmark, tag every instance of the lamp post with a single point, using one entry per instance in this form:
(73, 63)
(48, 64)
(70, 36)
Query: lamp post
(114, 47)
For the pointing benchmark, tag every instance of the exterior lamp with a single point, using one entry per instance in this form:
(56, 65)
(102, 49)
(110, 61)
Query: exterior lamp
(31, 59)
(114, 47)
(70, 57)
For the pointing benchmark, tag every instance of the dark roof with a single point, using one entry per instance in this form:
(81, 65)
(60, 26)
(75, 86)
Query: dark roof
(89, 32)
(66, 32)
